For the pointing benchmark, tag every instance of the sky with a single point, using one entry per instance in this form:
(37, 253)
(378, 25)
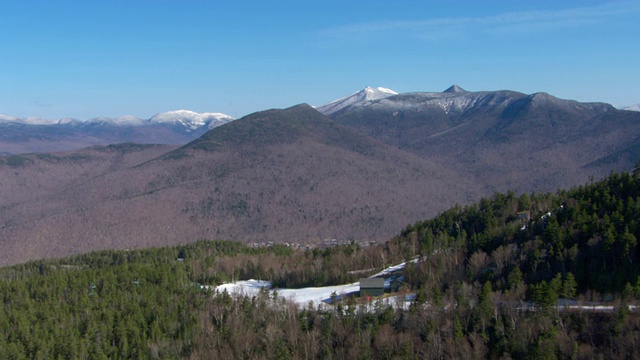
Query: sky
(90, 58)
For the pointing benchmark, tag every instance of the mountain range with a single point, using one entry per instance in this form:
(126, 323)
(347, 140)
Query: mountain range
(24, 135)
(372, 163)
(511, 140)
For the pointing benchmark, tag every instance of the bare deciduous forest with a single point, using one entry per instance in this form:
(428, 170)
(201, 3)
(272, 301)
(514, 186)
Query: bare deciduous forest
(294, 175)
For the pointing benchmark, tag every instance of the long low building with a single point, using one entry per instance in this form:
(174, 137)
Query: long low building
(371, 287)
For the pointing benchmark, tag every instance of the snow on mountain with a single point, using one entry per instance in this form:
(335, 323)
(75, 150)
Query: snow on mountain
(191, 120)
(635, 107)
(126, 120)
(36, 120)
(362, 96)
(7, 118)
(455, 100)
(68, 120)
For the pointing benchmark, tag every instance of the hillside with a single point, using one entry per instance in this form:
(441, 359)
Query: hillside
(589, 232)
(37, 187)
(289, 175)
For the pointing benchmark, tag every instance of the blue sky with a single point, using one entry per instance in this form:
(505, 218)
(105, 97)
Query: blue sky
(85, 59)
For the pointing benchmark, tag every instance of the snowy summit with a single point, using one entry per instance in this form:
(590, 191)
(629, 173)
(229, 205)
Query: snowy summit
(191, 120)
(36, 120)
(635, 107)
(367, 94)
(126, 120)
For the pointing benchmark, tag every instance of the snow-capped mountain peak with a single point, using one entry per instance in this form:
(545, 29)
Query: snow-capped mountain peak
(32, 120)
(375, 92)
(190, 119)
(126, 120)
(635, 107)
(7, 118)
(364, 95)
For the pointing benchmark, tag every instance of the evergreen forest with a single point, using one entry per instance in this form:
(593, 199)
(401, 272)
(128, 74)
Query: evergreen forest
(494, 279)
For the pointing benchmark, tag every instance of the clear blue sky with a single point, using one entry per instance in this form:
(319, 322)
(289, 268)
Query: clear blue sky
(91, 58)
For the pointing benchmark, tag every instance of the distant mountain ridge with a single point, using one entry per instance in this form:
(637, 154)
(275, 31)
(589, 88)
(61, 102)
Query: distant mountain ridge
(189, 119)
(36, 120)
(24, 135)
(635, 107)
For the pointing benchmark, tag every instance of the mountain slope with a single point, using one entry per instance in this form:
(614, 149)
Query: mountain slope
(506, 139)
(280, 175)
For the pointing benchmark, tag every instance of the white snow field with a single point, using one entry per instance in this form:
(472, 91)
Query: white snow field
(303, 296)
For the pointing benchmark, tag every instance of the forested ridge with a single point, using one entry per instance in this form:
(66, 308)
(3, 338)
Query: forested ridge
(487, 280)
(588, 234)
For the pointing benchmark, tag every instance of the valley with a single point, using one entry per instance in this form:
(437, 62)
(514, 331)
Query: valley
(380, 161)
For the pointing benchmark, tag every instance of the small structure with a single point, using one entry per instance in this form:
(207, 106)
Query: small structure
(371, 287)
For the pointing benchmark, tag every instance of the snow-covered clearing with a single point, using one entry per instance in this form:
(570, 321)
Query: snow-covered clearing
(298, 296)
(303, 296)
(320, 296)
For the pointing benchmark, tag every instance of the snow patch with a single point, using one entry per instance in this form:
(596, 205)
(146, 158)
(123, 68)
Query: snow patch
(456, 103)
(190, 119)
